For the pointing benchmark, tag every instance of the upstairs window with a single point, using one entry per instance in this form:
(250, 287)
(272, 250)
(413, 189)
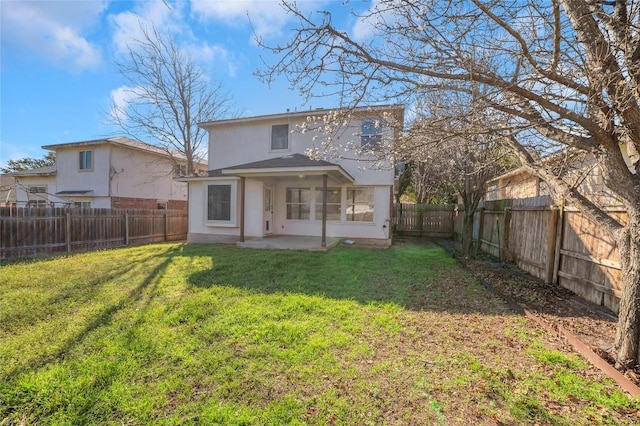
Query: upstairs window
(179, 170)
(370, 133)
(86, 160)
(38, 189)
(279, 137)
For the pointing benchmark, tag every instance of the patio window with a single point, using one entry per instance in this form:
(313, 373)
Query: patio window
(86, 160)
(370, 134)
(279, 137)
(219, 203)
(298, 203)
(360, 204)
(334, 203)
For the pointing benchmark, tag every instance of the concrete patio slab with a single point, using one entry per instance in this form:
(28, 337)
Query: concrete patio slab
(289, 242)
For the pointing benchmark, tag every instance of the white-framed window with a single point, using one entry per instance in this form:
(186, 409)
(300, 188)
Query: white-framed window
(37, 203)
(82, 204)
(179, 170)
(359, 204)
(298, 203)
(370, 133)
(38, 189)
(334, 203)
(221, 203)
(279, 137)
(85, 161)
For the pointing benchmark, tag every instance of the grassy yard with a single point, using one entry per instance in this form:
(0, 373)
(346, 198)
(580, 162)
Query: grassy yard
(199, 334)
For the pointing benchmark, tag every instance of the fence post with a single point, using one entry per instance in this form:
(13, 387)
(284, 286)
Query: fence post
(558, 246)
(126, 229)
(420, 218)
(504, 238)
(68, 233)
(480, 228)
(166, 225)
(551, 244)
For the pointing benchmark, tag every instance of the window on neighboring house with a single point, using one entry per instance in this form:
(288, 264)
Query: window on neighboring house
(37, 195)
(280, 137)
(37, 203)
(298, 203)
(82, 204)
(370, 133)
(334, 203)
(360, 204)
(179, 170)
(86, 160)
(38, 189)
(219, 203)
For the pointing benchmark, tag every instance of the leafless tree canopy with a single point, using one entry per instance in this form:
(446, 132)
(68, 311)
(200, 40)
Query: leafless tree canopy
(557, 75)
(167, 96)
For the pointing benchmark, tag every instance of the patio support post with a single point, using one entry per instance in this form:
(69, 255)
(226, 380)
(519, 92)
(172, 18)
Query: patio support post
(242, 209)
(324, 210)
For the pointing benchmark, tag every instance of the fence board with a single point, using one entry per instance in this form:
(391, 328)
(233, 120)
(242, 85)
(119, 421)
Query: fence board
(27, 232)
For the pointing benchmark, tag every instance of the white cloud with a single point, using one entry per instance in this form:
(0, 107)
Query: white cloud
(267, 16)
(121, 98)
(53, 30)
(127, 26)
(366, 25)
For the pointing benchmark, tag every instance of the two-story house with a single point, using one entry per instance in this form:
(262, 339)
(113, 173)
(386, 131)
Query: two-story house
(106, 173)
(262, 182)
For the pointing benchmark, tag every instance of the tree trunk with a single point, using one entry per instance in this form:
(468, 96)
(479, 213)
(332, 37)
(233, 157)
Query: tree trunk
(467, 232)
(628, 333)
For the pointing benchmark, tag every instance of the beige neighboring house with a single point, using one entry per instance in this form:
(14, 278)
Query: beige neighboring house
(261, 181)
(585, 174)
(106, 173)
(7, 190)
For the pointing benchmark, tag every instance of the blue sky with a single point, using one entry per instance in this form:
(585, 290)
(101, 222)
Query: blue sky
(58, 74)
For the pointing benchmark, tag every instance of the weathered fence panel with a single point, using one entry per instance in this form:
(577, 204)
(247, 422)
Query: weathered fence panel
(424, 220)
(589, 262)
(557, 244)
(27, 232)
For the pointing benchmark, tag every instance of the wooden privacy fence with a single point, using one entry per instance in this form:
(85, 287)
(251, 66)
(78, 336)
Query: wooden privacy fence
(27, 232)
(423, 220)
(555, 243)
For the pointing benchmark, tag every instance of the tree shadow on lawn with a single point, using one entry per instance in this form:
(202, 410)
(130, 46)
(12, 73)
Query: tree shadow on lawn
(414, 277)
(106, 315)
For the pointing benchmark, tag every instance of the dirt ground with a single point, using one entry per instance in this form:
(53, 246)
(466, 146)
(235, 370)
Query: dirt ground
(593, 325)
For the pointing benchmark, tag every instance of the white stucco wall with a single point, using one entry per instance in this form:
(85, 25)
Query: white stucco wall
(22, 187)
(71, 178)
(142, 175)
(232, 144)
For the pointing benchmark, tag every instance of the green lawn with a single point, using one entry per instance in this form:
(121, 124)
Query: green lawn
(200, 334)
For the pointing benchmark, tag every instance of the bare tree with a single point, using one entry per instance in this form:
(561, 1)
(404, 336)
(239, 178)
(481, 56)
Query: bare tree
(450, 149)
(167, 96)
(565, 73)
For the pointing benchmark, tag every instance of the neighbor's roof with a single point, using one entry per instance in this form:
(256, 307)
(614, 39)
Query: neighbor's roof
(39, 171)
(306, 113)
(125, 142)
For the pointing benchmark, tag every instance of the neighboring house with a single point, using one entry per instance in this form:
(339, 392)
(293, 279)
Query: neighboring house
(7, 190)
(261, 182)
(106, 173)
(583, 173)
